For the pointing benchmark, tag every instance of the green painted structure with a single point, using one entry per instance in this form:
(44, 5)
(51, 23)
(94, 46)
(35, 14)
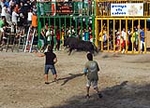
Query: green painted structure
(66, 16)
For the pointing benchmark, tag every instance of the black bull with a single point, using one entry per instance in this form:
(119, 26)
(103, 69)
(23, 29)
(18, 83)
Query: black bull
(80, 45)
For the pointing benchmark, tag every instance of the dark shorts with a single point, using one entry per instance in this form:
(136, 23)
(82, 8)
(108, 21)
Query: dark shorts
(51, 67)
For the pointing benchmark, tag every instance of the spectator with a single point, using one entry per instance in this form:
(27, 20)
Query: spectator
(21, 20)
(21, 9)
(30, 17)
(34, 20)
(124, 38)
(1, 27)
(2, 3)
(80, 7)
(14, 17)
(4, 11)
(135, 39)
(6, 3)
(57, 39)
(16, 8)
(53, 7)
(142, 40)
(34, 9)
(43, 37)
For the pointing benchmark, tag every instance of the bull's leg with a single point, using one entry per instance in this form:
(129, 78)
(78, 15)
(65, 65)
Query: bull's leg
(70, 50)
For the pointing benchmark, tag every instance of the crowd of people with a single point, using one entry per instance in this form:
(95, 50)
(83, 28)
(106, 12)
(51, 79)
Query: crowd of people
(130, 40)
(16, 16)
(70, 7)
(55, 36)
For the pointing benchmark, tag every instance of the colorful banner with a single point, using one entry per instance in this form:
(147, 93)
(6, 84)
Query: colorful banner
(64, 8)
(127, 9)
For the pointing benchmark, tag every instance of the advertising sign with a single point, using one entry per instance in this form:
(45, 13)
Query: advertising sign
(127, 9)
(64, 8)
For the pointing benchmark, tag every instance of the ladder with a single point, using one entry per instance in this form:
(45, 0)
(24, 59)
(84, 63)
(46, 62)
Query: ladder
(29, 40)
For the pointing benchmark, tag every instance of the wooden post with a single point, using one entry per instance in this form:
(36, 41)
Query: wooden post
(102, 34)
(127, 37)
(107, 29)
(96, 32)
(145, 31)
(114, 44)
(120, 34)
(132, 35)
(139, 40)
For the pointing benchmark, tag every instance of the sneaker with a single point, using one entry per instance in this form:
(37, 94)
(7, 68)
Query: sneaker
(100, 95)
(87, 96)
(46, 82)
(55, 79)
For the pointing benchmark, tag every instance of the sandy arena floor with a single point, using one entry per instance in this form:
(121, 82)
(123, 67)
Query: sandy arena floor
(124, 81)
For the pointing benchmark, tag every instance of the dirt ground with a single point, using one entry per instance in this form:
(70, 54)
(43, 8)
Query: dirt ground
(124, 81)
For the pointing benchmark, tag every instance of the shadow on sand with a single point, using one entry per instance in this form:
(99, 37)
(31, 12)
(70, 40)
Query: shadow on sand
(123, 95)
(68, 78)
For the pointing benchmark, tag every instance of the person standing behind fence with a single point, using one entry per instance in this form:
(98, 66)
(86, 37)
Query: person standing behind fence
(43, 39)
(142, 40)
(29, 19)
(50, 60)
(1, 28)
(57, 39)
(53, 7)
(14, 17)
(80, 7)
(91, 71)
(124, 40)
(34, 23)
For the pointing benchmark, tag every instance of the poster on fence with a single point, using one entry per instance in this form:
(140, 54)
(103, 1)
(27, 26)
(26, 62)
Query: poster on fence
(64, 8)
(127, 9)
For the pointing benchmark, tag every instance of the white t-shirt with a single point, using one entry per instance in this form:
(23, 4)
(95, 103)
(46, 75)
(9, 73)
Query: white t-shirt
(30, 16)
(4, 9)
(14, 17)
(124, 34)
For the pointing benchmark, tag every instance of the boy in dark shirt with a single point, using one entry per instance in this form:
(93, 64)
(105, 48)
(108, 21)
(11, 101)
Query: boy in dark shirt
(50, 60)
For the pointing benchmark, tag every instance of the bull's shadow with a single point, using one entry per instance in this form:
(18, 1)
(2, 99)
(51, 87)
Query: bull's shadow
(70, 77)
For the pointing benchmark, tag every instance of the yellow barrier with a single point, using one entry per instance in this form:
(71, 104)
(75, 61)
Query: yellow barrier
(119, 30)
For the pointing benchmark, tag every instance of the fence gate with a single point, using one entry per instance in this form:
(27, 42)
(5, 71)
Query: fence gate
(121, 34)
(81, 27)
